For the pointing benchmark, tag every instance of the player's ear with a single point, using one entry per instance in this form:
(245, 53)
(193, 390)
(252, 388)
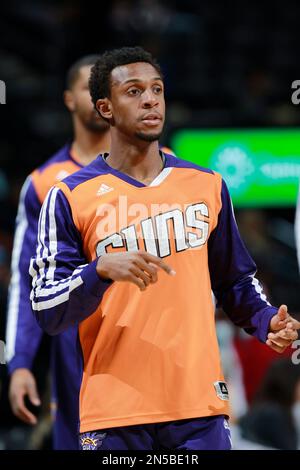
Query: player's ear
(104, 108)
(69, 100)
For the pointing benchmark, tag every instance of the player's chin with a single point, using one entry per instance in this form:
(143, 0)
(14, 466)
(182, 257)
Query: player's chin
(96, 125)
(148, 136)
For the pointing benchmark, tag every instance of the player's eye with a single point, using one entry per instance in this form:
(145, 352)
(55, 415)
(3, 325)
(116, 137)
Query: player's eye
(157, 89)
(133, 92)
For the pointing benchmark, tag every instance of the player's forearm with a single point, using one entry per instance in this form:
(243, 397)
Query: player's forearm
(248, 308)
(23, 335)
(233, 275)
(61, 304)
(21, 360)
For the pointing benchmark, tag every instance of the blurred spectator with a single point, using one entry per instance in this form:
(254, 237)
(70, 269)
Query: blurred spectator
(273, 419)
(254, 359)
(267, 236)
(232, 366)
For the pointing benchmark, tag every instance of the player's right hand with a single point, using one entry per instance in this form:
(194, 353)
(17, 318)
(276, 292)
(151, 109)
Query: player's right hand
(22, 384)
(138, 267)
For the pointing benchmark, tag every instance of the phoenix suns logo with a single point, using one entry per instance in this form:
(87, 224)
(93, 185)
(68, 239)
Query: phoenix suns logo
(190, 229)
(92, 441)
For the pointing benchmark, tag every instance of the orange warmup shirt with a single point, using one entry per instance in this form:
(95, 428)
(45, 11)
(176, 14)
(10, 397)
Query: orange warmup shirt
(147, 356)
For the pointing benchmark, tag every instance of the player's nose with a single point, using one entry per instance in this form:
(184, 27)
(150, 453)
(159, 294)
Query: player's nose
(149, 99)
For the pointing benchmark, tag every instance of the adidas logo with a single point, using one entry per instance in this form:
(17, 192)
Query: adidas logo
(104, 189)
(221, 390)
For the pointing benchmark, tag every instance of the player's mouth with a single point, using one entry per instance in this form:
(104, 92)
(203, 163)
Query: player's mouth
(151, 119)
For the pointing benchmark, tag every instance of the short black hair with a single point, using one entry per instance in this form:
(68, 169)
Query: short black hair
(99, 82)
(73, 72)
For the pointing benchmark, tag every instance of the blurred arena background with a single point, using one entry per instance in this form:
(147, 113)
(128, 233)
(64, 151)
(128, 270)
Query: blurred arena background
(229, 69)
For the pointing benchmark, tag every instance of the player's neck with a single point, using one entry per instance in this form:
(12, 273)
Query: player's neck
(87, 145)
(142, 162)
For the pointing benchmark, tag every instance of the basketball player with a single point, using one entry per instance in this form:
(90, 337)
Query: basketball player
(129, 249)
(91, 136)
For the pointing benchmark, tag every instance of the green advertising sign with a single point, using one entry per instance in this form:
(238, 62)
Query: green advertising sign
(260, 167)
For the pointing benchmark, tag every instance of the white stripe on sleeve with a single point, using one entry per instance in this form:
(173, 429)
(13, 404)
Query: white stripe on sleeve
(43, 282)
(259, 290)
(14, 288)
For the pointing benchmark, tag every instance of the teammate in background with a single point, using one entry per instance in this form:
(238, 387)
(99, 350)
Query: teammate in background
(91, 137)
(129, 249)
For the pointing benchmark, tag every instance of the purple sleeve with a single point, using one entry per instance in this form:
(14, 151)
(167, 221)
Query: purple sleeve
(65, 288)
(232, 274)
(23, 335)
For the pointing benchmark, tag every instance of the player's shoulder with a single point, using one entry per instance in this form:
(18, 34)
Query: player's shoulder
(55, 169)
(96, 168)
(61, 156)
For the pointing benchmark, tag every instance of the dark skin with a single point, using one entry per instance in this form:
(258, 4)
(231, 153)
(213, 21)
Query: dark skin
(91, 132)
(136, 112)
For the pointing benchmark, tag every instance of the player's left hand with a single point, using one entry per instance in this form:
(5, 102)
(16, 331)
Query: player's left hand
(283, 330)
